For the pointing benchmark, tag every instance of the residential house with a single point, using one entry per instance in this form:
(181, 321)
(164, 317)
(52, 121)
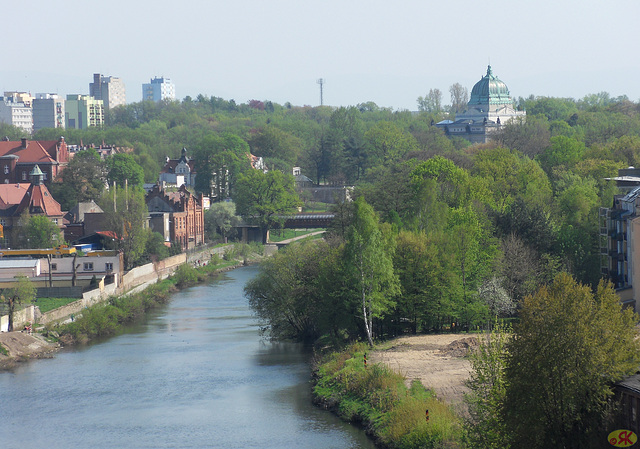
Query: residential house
(177, 215)
(18, 159)
(180, 171)
(33, 198)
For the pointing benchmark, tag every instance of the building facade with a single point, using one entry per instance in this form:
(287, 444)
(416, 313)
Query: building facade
(159, 89)
(490, 106)
(83, 111)
(620, 246)
(15, 110)
(18, 159)
(178, 216)
(109, 89)
(180, 171)
(48, 111)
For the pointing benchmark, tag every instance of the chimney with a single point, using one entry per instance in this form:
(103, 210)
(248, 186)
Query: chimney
(24, 142)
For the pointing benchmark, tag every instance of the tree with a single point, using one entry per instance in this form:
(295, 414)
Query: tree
(272, 142)
(459, 97)
(432, 102)
(487, 390)
(366, 258)
(122, 167)
(388, 143)
(569, 348)
(23, 292)
(125, 215)
(83, 179)
(265, 199)
(41, 232)
(220, 219)
(220, 159)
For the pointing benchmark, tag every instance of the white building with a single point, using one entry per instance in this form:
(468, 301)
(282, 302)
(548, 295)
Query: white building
(15, 112)
(159, 89)
(109, 89)
(490, 107)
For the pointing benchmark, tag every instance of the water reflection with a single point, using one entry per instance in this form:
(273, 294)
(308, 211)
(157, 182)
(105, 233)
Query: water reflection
(195, 374)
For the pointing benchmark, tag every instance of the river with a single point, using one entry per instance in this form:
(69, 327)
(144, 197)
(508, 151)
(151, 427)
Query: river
(193, 374)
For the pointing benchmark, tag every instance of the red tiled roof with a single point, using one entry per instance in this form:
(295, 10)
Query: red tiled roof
(12, 194)
(38, 196)
(36, 152)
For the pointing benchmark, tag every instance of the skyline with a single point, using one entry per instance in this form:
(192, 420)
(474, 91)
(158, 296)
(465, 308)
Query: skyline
(364, 50)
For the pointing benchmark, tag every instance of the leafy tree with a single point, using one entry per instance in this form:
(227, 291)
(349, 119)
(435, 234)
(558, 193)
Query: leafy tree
(496, 298)
(432, 102)
(487, 383)
(459, 98)
(155, 248)
(41, 232)
(122, 167)
(387, 143)
(83, 179)
(530, 136)
(285, 293)
(125, 215)
(220, 159)
(569, 348)
(370, 266)
(265, 199)
(23, 292)
(271, 141)
(220, 219)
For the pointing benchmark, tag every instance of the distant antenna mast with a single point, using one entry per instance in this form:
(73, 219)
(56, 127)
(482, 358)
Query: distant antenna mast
(321, 82)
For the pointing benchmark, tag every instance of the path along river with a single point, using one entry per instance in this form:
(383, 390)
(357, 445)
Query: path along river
(194, 374)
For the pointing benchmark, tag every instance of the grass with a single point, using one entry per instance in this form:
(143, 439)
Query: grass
(316, 207)
(377, 397)
(284, 234)
(48, 304)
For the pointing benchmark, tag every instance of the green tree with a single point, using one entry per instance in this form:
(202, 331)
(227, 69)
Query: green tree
(125, 215)
(23, 292)
(487, 383)
(569, 348)
(220, 159)
(459, 98)
(265, 199)
(83, 179)
(272, 142)
(432, 102)
(220, 219)
(387, 142)
(370, 265)
(122, 167)
(41, 232)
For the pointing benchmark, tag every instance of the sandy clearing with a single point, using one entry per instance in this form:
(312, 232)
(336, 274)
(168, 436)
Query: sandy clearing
(427, 359)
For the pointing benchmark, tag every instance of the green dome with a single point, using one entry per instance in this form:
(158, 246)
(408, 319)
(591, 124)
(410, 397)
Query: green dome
(490, 90)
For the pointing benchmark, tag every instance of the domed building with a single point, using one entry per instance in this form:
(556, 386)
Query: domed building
(489, 108)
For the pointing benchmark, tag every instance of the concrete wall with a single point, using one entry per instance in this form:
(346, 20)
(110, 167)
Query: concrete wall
(20, 318)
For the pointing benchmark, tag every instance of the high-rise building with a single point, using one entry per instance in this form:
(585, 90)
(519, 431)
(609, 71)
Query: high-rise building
(159, 89)
(15, 109)
(48, 111)
(83, 111)
(109, 89)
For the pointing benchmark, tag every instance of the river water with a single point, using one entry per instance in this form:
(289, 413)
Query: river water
(194, 374)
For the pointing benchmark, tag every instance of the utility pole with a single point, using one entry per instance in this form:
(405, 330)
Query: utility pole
(321, 83)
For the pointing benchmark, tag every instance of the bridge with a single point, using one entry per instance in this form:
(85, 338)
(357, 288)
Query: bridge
(309, 221)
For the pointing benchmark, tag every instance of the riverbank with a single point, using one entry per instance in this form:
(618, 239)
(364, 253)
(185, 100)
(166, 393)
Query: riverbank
(17, 347)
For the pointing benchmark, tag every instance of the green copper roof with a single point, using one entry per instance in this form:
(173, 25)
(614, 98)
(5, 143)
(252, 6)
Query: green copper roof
(490, 90)
(36, 171)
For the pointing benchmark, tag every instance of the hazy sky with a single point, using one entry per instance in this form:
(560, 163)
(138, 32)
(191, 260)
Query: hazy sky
(389, 52)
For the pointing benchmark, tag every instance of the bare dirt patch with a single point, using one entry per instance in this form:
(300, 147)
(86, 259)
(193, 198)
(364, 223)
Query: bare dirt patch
(22, 346)
(437, 361)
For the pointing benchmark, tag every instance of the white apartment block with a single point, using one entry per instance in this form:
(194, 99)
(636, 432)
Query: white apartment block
(159, 89)
(16, 113)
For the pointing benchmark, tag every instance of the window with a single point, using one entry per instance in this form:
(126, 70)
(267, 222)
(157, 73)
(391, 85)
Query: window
(3, 222)
(24, 175)
(108, 266)
(54, 267)
(88, 266)
(6, 169)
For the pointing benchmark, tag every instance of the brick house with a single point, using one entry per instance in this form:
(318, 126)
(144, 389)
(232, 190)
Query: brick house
(177, 215)
(18, 159)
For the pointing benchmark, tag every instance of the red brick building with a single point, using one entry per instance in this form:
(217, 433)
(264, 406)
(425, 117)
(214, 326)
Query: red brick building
(18, 159)
(177, 215)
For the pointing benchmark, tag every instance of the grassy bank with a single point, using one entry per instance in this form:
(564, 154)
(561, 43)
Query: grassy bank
(376, 397)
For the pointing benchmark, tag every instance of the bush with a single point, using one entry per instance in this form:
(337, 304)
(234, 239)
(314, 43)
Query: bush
(185, 275)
